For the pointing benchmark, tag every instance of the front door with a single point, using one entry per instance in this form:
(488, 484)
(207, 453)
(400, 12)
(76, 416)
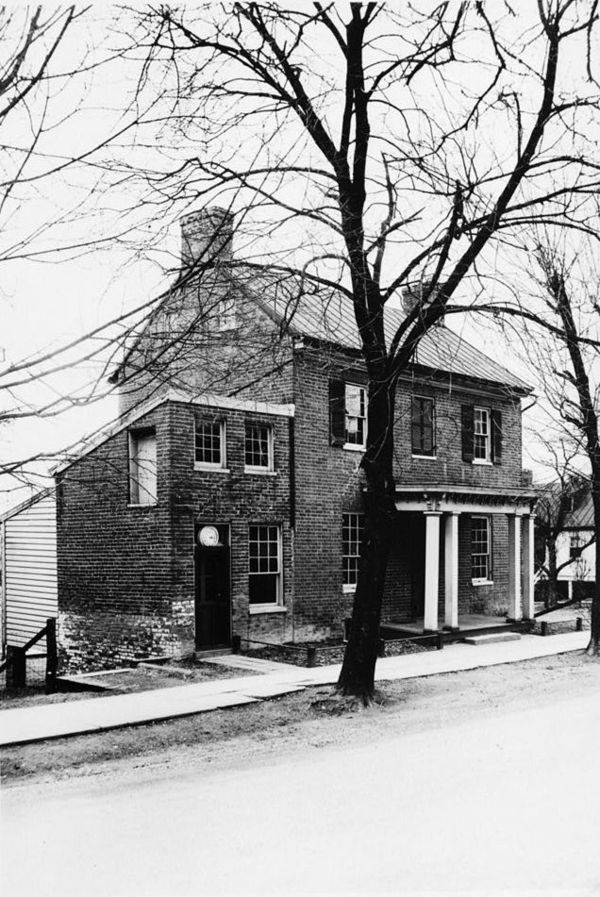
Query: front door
(213, 596)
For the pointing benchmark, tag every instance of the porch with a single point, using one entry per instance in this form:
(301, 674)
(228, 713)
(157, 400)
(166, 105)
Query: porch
(467, 625)
(441, 509)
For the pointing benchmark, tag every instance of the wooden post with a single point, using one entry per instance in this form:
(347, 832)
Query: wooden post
(16, 667)
(51, 656)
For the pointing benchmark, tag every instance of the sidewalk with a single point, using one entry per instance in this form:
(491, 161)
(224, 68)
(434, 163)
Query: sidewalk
(77, 717)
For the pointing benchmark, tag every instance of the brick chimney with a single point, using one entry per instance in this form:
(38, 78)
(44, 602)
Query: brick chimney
(206, 236)
(413, 293)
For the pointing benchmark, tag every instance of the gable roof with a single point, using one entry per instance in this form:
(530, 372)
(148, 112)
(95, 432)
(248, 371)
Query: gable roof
(328, 316)
(582, 516)
(304, 309)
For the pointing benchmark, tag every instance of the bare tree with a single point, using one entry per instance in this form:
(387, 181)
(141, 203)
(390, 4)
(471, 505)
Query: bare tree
(405, 147)
(568, 317)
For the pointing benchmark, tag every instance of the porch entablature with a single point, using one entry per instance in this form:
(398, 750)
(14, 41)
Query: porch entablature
(464, 500)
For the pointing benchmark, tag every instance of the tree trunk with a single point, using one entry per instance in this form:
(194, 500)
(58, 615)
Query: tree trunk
(357, 677)
(552, 593)
(593, 649)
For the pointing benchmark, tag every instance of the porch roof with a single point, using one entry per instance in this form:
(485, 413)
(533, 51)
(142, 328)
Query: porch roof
(462, 498)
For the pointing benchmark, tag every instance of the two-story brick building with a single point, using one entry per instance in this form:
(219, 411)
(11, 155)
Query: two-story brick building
(227, 499)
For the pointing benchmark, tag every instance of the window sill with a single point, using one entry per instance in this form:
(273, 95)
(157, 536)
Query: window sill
(350, 447)
(424, 457)
(261, 471)
(348, 589)
(482, 582)
(266, 609)
(136, 506)
(210, 468)
(482, 462)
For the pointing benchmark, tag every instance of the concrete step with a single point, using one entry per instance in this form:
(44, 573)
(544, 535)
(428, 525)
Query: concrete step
(492, 638)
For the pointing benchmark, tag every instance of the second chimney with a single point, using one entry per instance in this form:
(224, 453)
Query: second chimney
(206, 236)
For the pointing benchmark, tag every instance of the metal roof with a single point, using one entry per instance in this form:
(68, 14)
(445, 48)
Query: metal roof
(326, 314)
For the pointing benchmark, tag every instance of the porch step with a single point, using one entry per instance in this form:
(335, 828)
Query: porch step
(207, 653)
(491, 638)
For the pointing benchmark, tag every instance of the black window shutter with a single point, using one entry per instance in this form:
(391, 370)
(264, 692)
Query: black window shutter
(337, 412)
(416, 426)
(468, 426)
(496, 436)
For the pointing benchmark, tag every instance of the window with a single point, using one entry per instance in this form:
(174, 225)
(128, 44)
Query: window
(210, 443)
(481, 549)
(264, 564)
(258, 453)
(355, 415)
(142, 467)
(352, 532)
(481, 434)
(423, 427)
(575, 545)
(226, 314)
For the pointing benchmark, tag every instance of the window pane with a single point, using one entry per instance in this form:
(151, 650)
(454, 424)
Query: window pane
(355, 414)
(257, 448)
(264, 564)
(352, 532)
(142, 489)
(480, 548)
(209, 442)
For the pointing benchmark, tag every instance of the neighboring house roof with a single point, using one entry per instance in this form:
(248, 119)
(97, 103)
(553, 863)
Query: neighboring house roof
(27, 503)
(326, 315)
(582, 516)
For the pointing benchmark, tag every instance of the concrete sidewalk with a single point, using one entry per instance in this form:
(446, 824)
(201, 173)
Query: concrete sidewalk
(76, 717)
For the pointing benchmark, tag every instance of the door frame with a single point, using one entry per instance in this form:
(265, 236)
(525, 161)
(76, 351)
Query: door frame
(198, 524)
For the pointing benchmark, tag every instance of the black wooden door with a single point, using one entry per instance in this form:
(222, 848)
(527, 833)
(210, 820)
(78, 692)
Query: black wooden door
(213, 598)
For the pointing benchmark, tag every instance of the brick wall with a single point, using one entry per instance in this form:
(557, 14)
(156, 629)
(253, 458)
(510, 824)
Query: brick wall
(183, 347)
(126, 574)
(115, 593)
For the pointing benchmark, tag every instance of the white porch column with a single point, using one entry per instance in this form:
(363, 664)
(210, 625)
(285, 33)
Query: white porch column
(451, 571)
(514, 567)
(432, 568)
(528, 548)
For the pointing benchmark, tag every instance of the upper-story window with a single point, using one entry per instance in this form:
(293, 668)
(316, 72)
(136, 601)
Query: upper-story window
(226, 314)
(142, 467)
(481, 435)
(258, 448)
(210, 443)
(355, 415)
(575, 545)
(423, 426)
(348, 414)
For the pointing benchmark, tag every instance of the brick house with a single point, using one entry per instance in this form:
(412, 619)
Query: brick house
(227, 499)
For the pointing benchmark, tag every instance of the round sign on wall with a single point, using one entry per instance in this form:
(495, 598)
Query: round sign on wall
(208, 536)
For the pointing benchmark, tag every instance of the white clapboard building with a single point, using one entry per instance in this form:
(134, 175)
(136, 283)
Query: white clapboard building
(29, 588)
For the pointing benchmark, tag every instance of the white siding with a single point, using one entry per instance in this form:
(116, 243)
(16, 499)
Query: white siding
(583, 568)
(30, 571)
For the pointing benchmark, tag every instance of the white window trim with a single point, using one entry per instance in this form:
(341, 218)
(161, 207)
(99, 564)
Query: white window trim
(348, 588)
(488, 458)
(484, 581)
(208, 465)
(269, 470)
(354, 446)
(132, 439)
(278, 605)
